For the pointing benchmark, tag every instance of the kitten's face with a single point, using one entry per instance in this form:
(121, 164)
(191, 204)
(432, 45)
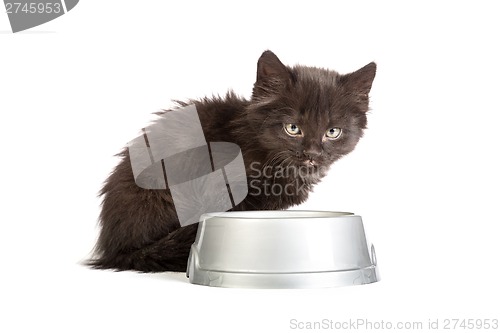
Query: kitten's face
(308, 117)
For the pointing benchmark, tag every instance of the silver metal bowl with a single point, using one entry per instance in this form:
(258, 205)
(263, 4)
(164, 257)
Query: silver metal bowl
(281, 249)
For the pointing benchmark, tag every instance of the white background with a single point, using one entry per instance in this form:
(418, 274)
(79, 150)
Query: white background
(425, 176)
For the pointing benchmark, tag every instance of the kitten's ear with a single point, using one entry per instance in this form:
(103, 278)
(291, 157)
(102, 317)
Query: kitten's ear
(270, 68)
(361, 80)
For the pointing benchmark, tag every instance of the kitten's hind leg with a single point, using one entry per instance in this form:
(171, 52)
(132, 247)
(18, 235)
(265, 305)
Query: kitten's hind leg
(167, 254)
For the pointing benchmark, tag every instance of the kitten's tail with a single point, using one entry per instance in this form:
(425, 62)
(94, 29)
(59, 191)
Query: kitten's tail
(167, 254)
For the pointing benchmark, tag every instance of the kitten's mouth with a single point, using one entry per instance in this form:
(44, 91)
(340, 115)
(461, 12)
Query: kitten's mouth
(309, 163)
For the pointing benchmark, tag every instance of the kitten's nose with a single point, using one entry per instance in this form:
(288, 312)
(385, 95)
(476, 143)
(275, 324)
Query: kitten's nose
(312, 152)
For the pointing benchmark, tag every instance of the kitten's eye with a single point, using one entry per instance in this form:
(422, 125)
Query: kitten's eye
(333, 133)
(292, 129)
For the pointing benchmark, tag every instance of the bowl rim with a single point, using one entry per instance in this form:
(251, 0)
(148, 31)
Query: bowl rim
(276, 214)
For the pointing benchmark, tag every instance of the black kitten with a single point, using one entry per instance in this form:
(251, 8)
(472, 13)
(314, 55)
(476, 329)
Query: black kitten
(298, 122)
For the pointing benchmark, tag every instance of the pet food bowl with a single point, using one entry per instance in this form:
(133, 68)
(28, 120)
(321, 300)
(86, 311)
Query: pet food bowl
(281, 249)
